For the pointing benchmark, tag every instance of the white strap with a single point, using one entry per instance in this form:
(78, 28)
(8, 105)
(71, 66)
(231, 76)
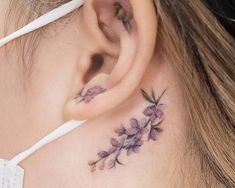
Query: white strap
(59, 132)
(45, 19)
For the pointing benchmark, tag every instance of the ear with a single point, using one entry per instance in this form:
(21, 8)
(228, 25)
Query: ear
(122, 34)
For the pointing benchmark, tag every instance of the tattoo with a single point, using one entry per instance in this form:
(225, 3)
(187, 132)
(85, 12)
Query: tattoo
(130, 140)
(122, 15)
(90, 94)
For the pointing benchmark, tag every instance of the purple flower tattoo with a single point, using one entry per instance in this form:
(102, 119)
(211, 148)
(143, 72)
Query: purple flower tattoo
(90, 94)
(129, 140)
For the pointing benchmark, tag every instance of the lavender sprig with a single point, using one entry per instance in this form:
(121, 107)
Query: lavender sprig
(129, 140)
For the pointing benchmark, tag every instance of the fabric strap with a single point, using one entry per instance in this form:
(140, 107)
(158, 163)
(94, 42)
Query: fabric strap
(59, 132)
(43, 20)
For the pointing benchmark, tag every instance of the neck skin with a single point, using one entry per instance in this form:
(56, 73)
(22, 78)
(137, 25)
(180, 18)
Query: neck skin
(28, 116)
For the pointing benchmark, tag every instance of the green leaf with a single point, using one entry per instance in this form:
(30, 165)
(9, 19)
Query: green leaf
(147, 97)
(118, 162)
(157, 125)
(159, 98)
(153, 95)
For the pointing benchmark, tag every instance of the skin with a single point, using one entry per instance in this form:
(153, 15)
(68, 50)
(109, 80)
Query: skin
(61, 62)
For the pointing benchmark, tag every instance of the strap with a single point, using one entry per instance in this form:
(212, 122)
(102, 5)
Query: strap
(43, 20)
(59, 132)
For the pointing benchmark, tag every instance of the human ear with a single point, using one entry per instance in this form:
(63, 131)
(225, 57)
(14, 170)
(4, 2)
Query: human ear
(121, 33)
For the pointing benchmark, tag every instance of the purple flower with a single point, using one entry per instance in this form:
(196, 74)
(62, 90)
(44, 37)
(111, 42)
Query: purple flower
(131, 139)
(116, 145)
(134, 146)
(121, 131)
(103, 154)
(95, 90)
(154, 112)
(91, 93)
(137, 127)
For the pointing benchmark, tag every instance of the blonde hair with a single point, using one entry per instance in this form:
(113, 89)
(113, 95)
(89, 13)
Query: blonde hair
(202, 53)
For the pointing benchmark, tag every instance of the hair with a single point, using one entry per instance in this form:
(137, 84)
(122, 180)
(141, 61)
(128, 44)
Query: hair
(202, 52)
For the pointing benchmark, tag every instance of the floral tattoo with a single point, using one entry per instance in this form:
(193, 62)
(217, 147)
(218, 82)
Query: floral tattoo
(124, 16)
(90, 94)
(130, 140)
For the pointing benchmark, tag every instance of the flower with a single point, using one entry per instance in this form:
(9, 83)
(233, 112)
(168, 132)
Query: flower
(154, 112)
(116, 145)
(103, 154)
(131, 139)
(137, 127)
(121, 131)
(134, 146)
(92, 93)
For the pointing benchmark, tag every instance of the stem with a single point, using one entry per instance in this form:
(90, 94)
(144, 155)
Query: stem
(146, 125)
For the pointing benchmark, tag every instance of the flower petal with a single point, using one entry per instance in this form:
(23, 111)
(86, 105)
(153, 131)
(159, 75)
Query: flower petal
(120, 131)
(153, 134)
(111, 164)
(112, 150)
(140, 143)
(115, 142)
(102, 165)
(136, 149)
(134, 123)
(103, 154)
(88, 98)
(153, 117)
(149, 110)
(129, 152)
(143, 122)
(131, 131)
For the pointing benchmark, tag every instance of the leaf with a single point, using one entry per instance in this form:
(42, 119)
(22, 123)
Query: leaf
(102, 165)
(159, 98)
(103, 154)
(159, 130)
(147, 97)
(153, 95)
(118, 162)
(157, 125)
(111, 164)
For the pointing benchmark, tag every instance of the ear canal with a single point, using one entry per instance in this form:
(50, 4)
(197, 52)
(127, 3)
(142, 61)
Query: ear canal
(97, 62)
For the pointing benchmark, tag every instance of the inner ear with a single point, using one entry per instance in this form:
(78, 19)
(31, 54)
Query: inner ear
(97, 62)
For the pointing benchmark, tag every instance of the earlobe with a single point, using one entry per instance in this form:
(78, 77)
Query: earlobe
(126, 34)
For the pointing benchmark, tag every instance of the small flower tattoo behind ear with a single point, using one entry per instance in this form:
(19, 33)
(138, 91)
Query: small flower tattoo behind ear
(90, 94)
(130, 140)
